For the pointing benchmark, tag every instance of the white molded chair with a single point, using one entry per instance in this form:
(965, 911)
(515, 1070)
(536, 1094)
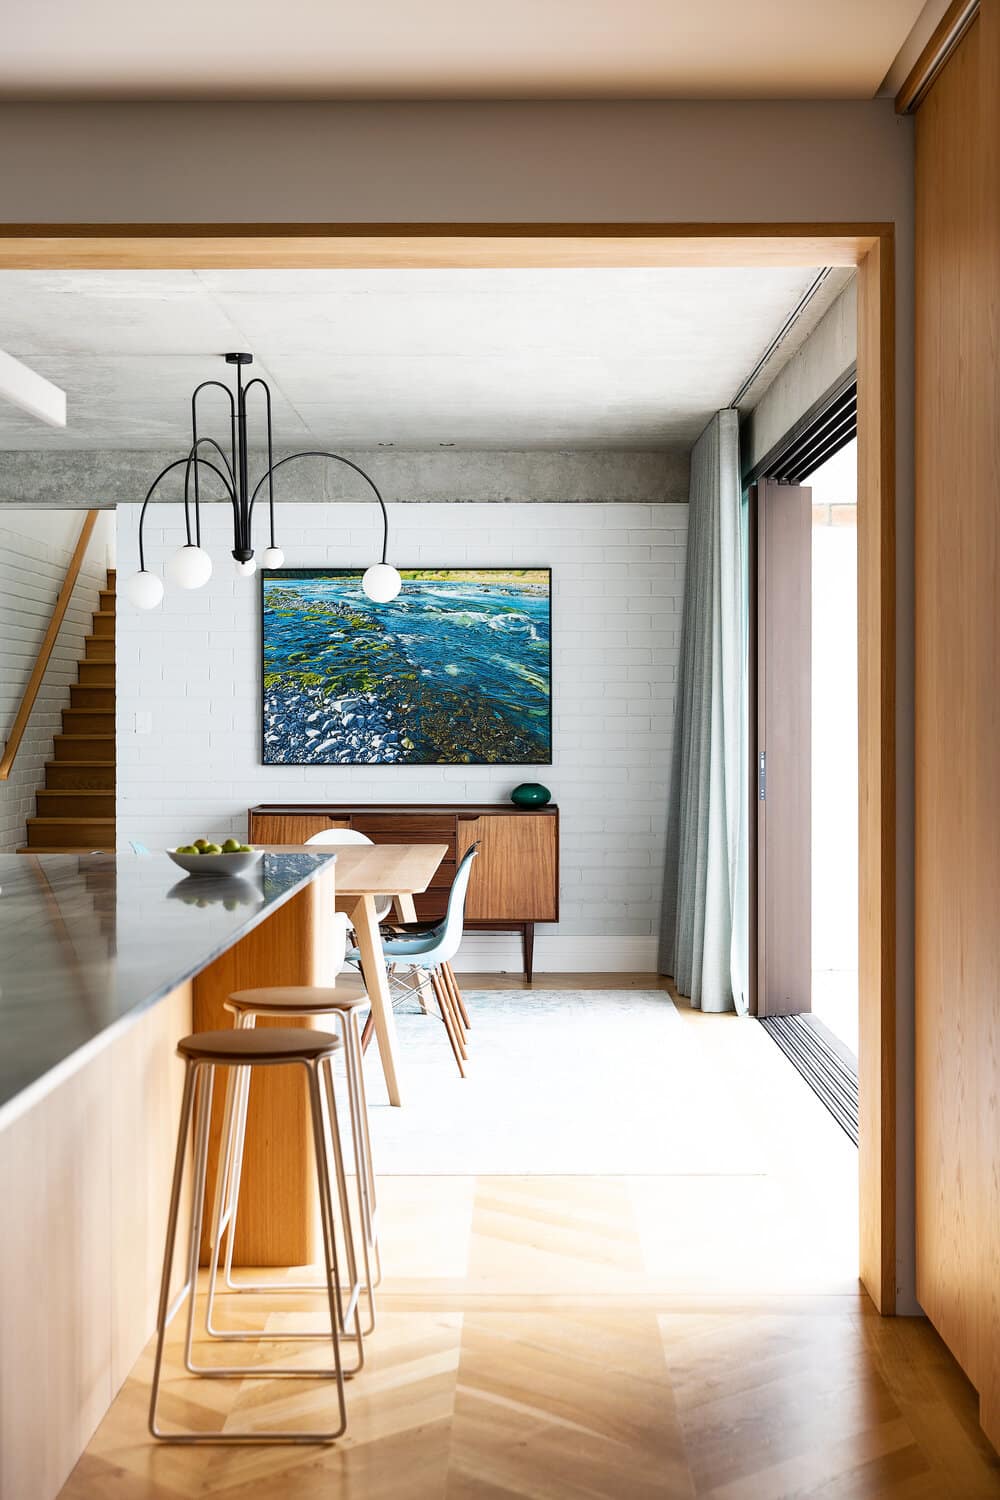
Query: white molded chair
(331, 837)
(419, 956)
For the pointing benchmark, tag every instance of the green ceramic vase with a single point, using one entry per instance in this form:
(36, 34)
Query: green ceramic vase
(530, 794)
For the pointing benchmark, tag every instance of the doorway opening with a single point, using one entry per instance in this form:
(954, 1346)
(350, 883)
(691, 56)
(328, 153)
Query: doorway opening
(869, 247)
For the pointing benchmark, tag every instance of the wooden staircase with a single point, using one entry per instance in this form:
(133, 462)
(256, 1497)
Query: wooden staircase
(76, 807)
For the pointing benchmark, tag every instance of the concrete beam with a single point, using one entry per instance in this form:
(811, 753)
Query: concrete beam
(108, 477)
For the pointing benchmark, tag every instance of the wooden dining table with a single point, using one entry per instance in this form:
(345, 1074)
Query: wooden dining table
(367, 874)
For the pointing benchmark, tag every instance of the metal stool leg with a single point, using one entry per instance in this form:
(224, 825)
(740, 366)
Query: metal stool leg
(361, 1179)
(227, 1221)
(227, 1197)
(199, 1078)
(166, 1310)
(353, 1027)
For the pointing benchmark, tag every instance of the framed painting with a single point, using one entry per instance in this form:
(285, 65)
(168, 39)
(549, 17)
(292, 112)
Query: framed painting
(456, 670)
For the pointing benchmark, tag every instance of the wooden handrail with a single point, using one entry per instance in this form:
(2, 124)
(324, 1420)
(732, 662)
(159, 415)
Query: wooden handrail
(45, 650)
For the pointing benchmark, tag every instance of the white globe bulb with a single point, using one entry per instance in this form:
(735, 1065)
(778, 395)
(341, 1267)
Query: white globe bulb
(190, 567)
(273, 557)
(381, 582)
(144, 590)
(246, 569)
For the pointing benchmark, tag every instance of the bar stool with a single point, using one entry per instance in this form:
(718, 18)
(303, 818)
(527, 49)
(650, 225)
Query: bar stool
(244, 1050)
(341, 1004)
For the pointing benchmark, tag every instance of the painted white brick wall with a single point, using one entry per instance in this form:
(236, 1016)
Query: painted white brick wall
(193, 666)
(35, 549)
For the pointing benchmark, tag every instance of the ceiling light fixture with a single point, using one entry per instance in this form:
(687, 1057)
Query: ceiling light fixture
(191, 566)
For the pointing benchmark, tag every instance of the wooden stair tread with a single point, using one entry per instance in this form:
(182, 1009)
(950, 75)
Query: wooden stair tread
(80, 765)
(83, 791)
(35, 818)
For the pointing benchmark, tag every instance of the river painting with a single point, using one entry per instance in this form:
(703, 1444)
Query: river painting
(454, 671)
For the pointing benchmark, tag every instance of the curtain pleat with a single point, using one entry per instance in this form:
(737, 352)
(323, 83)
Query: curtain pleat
(703, 930)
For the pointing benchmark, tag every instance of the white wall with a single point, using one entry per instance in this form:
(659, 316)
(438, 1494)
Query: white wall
(193, 666)
(35, 548)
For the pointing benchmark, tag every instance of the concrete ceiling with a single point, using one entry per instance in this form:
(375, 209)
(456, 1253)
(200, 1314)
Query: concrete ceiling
(254, 49)
(500, 359)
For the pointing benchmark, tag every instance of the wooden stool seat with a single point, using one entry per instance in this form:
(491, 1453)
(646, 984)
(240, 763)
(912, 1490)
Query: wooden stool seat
(301, 1000)
(271, 1044)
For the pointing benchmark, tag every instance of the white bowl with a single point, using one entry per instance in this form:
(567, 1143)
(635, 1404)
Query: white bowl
(216, 864)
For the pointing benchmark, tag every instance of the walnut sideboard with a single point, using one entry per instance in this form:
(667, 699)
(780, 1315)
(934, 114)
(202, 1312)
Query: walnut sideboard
(515, 880)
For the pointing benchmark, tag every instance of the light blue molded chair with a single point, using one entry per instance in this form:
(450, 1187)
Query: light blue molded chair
(418, 954)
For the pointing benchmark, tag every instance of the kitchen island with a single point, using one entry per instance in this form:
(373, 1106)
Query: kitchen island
(105, 961)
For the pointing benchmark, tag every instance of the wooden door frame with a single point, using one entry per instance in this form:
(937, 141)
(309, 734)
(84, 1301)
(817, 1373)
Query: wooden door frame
(870, 248)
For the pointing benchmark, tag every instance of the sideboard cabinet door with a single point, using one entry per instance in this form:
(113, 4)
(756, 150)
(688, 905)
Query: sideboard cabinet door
(516, 877)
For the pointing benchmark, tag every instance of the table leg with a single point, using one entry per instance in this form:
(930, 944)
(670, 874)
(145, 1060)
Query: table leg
(361, 911)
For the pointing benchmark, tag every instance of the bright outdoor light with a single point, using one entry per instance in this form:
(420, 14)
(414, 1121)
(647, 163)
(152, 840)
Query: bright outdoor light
(144, 590)
(381, 582)
(190, 567)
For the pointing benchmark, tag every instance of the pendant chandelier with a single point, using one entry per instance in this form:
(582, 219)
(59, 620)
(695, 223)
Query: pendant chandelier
(191, 566)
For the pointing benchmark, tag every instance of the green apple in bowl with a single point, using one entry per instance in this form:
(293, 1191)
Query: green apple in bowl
(205, 857)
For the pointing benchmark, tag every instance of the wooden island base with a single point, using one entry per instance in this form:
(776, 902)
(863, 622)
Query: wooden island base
(277, 1220)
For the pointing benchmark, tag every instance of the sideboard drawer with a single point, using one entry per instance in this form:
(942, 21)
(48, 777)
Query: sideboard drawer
(407, 828)
(290, 828)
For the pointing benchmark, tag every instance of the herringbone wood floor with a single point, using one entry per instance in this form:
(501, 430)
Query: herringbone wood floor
(581, 1337)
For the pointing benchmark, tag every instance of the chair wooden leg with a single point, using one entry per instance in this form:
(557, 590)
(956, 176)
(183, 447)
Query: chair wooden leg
(456, 1014)
(453, 1016)
(453, 1011)
(457, 996)
(440, 996)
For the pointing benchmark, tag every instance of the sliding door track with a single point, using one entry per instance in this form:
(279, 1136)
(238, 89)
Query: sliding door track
(824, 1062)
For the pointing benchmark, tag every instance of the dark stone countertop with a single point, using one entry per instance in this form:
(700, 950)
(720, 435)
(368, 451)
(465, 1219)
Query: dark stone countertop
(88, 941)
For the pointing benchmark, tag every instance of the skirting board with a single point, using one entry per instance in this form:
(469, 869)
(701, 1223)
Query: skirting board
(500, 953)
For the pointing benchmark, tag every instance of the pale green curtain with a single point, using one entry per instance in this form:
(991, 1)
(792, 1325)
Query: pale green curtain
(703, 934)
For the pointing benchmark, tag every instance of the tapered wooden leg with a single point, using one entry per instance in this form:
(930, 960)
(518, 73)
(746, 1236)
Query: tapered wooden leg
(361, 910)
(528, 948)
(453, 1016)
(457, 996)
(442, 1000)
(456, 1014)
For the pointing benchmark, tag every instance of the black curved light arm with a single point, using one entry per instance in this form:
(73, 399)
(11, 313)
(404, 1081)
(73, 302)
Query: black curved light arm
(195, 440)
(340, 459)
(269, 476)
(177, 463)
(192, 463)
